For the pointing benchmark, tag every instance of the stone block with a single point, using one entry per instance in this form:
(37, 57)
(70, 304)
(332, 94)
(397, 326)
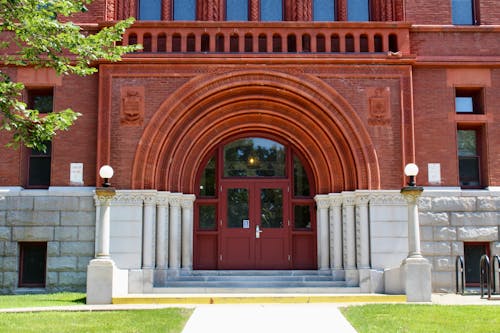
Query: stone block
(85, 249)
(488, 203)
(443, 264)
(418, 279)
(120, 229)
(424, 204)
(475, 219)
(78, 218)
(436, 248)
(10, 280)
(56, 203)
(86, 204)
(66, 233)
(86, 233)
(35, 218)
(33, 233)
(443, 282)
(454, 204)
(10, 264)
(495, 248)
(5, 234)
(387, 260)
(3, 202)
(73, 279)
(389, 244)
(82, 263)
(389, 213)
(457, 249)
(426, 233)
(99, 279)
(389, 229)
(431, 218)
(19, 203)
(10, 249)
(445, 233)
(61, 264)
(53, 249)
(52, 279)
(479, 234)
(3, 217)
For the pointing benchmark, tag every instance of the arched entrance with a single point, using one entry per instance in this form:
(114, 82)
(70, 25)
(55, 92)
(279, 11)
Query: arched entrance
(254, 208)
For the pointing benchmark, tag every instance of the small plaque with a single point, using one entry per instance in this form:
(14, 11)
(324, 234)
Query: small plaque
(246, 224)
(434, 173)
(76, 174)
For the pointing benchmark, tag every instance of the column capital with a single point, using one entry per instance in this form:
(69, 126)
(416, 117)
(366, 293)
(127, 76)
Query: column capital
(335, 199)
(149, 199)
(163, 199)
(104, 195)
(349, 199)
(187, 200)
(412, 193)
(322, 201)
(362, 199)
(175, 199)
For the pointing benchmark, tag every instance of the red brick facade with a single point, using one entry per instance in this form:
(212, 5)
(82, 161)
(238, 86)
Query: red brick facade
(357, 117)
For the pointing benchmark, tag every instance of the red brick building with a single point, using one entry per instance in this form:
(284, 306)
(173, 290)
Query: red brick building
(257, 135)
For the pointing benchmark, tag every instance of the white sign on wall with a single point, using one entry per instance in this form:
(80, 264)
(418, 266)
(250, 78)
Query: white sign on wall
(434, 173)
(76, 174)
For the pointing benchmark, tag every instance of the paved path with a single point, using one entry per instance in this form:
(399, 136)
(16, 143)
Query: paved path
(252, 318)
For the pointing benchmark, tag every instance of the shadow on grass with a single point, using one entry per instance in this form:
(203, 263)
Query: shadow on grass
(82, 300)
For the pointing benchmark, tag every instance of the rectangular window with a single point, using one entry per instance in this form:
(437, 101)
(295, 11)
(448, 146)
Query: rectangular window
(324, 10)
(469, 100)
(184, 10)
(41, 99)
(237, 10)
(472, 257)
(39, 167)
(469, 157)
(358, 10)
(150, 10)
(463, 12)
(207, 217)
(271, 10)
(32, 264)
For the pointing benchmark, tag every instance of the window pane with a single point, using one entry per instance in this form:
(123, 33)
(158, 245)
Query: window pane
(324, 10)
(254, 157)
(237, 10)
(358, 10)
(33, 264)
(184, 10)
(300, 180)
(462, 11)
(468, 167)
(271, 208)
(467, 145)
(39, 171)
(207, 181)
(150, 10)
(271, 10)
(464, 104)
(237, 207)
(208, 217)
(302, 217)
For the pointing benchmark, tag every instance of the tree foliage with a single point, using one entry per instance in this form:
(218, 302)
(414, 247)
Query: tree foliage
(40, 33)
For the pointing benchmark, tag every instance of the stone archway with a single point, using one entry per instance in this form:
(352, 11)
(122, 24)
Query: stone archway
(314, 118)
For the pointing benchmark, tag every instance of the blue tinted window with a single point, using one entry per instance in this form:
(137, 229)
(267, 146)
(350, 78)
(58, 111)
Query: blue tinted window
(324, 10)
(184, 10)
(464, 104)
(358, 10)
(237, 10)
(150, 10)
(271, 10)
(462, 11)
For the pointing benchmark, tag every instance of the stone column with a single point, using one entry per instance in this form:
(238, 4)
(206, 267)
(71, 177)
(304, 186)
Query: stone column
(149, 215)
(362, 232)
(349, 231)
(187, 231)
(103, 198)
(174, 250)
(162, 230)
(336, 231)
(323, 202)
(416, 269)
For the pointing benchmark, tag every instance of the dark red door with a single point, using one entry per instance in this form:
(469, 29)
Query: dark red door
(255, 228)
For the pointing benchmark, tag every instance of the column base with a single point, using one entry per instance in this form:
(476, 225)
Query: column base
(100, 276)
(418, 280)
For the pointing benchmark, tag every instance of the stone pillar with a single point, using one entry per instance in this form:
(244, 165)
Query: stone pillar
(362, 231)
(349, 232)
(162, 227)
(322, 202)
(101, 270)
(416, 269)
(187, 231)
(336, 231)
(174, 250)
(149, 215)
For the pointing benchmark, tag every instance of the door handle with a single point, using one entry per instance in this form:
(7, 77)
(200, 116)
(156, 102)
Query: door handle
(257, 231)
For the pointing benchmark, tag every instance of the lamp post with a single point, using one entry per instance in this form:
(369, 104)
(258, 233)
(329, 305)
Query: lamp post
(418, 285)
(104, 195)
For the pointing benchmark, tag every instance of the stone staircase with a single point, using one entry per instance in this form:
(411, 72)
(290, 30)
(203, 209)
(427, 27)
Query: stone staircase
(234, 282)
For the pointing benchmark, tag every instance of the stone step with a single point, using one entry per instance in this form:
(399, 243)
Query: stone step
(249, 278)
(297, 292)
(254, 273)
(255, 284)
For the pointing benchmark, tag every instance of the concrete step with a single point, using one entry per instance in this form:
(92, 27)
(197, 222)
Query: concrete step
(255, 284)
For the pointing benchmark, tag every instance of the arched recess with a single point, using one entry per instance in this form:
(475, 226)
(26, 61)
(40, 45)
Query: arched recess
(305, 111)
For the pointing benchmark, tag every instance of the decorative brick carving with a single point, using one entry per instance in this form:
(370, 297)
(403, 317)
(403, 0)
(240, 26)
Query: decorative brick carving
(379, 106)
(132, 106)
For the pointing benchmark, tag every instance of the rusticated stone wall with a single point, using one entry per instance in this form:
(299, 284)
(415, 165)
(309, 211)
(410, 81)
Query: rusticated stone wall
(65, 219)
(450, 218)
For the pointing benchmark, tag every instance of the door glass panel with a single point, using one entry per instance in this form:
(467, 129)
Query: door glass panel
(271, 208)
(207, 217)
(301, 217)
(254, 157)
(237, 207)
(300, 181)
(207, 181)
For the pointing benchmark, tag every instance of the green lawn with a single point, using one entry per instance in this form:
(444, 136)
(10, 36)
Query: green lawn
(388, 318)
(23, 301)
(171, 320)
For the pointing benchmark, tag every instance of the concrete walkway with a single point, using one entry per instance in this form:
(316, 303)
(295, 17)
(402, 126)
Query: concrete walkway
(251, 318)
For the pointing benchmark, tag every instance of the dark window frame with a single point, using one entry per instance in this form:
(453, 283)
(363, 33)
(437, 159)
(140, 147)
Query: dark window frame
(23, 248)
(480, 156)
(33, 93)
(36, 155)
(477, 96)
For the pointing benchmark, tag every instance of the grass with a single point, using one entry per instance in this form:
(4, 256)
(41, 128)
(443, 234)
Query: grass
(170, 320)
(57, 299)
(388, 318)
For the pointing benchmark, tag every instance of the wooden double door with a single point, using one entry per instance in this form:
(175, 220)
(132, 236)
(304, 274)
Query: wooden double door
(255, 225)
